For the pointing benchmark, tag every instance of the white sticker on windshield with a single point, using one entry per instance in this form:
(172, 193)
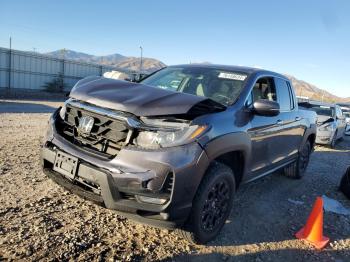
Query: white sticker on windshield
(327, 107)
(232, 76)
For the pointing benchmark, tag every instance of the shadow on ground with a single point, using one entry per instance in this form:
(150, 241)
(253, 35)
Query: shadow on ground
(25, 107)
(263, 216)
(266, 255)
(33, 95)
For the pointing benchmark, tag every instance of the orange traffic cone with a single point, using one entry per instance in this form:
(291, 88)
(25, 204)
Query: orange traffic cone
(313, 230)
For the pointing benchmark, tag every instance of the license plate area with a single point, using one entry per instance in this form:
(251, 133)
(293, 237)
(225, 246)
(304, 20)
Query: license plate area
(65, 164)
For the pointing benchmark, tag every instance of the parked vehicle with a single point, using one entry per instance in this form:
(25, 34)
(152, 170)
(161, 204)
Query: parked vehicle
(330, 122)
(347, 119)
(172, 150)
(303, 99)
(346, 113)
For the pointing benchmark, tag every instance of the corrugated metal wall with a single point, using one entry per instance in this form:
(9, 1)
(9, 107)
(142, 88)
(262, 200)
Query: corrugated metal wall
(31, 70)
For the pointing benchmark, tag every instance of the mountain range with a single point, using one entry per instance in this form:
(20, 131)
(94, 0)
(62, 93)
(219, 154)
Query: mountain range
(305, 89)
(126, 62)
(149, 65)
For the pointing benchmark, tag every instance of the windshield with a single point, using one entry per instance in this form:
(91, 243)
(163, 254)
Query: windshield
(323, 110)
(346, 114)
(219, 85)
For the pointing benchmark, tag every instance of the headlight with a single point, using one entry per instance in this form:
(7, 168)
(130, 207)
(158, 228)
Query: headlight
(328, 127)
(62, 112)
(170, 137)
(63, 109)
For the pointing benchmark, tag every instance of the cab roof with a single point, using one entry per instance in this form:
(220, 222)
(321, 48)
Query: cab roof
(242, 69)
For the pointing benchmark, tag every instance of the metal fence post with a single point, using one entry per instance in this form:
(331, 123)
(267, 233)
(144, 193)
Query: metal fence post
(61, 74)
(101, 70)
(10, 68)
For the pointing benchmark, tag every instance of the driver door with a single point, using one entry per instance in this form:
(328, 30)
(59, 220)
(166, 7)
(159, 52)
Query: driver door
(263, 130)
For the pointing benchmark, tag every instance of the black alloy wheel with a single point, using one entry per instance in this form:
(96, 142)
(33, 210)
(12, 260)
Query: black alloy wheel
(215, 206)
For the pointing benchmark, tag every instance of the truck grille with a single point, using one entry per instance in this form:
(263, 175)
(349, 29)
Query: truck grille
(107, 135)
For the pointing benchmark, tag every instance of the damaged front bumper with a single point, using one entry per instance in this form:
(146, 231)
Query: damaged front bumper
(324, 137)
(151, 186)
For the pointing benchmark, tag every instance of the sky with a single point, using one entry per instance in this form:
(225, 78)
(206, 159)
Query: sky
(309, 39)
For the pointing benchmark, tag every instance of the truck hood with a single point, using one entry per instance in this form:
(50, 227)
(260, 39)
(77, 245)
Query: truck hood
(141, 100)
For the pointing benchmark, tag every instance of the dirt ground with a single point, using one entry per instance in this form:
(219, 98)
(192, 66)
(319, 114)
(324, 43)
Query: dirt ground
(39, 221)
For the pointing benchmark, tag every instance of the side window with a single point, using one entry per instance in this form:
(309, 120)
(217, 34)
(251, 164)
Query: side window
(283, 94)
(264, 88)
(292, 96)
(339, 112)
(249, 102)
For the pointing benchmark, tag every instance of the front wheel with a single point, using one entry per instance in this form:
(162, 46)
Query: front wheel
(298, 168)
(211, 205)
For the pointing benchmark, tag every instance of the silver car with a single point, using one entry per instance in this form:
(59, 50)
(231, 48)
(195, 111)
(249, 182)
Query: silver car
(347, 120)
(330, 123)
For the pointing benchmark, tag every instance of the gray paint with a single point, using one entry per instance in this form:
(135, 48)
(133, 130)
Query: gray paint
(138, 99)
(266, 142)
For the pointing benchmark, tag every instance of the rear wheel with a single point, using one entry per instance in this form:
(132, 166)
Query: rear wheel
(211, 205)
(298, 168)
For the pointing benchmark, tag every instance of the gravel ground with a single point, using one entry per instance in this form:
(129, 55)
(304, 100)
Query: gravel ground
(40, 221)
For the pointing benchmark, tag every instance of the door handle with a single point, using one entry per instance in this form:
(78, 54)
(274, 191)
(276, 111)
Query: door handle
(298, 118)
(279, 122)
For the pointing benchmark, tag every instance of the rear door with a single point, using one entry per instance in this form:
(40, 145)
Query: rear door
(290, 130)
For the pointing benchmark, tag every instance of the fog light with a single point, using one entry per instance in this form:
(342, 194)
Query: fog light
(152, 200)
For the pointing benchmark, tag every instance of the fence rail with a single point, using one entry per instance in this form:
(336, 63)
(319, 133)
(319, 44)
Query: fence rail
(28, 70)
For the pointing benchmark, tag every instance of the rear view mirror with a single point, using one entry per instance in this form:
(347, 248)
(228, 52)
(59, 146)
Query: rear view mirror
(266, 107)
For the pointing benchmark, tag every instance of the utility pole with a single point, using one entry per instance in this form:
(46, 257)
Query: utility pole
(61, 74)
(63, 53)
(141, 60)
(323, 95)
(10, 65)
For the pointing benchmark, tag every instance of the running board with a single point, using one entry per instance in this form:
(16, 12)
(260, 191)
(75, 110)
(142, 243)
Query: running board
(269, 172)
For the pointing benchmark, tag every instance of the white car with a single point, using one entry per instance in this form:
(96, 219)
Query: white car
(330, 122)
(347, 119)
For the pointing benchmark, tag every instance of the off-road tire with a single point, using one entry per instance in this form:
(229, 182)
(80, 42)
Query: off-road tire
(207, 205)
(297, 169)
(345, 183)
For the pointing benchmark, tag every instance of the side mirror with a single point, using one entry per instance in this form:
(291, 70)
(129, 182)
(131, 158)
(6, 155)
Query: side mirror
(266, 107)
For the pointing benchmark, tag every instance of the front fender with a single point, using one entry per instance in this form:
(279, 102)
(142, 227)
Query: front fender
(312, 130)
(231, 142)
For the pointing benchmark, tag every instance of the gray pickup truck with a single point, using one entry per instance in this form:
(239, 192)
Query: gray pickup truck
(172, 149)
